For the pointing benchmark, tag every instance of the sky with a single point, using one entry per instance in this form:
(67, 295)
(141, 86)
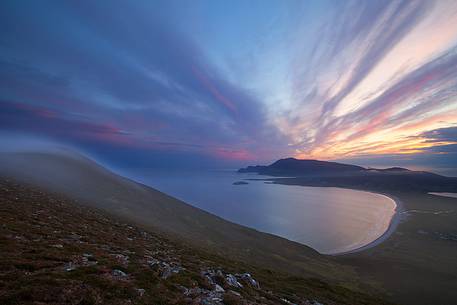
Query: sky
(232, 83)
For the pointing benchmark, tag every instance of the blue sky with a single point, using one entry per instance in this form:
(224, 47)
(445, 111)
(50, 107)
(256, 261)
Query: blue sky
(147, 83)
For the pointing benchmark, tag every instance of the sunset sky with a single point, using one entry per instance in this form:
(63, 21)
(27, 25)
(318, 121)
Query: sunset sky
(147, 83)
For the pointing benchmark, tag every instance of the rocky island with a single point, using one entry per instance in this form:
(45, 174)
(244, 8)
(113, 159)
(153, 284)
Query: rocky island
(240, 183)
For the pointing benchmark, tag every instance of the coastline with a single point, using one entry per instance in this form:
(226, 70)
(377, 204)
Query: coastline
(394, 222)
(443, 194)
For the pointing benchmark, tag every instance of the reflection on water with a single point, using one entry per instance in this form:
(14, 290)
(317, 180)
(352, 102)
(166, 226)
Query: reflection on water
(329, 220)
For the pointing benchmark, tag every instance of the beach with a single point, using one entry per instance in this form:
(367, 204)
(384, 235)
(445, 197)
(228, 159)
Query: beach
(393, 224)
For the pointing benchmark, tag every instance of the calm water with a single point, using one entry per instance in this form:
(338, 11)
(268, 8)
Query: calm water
(330, 220)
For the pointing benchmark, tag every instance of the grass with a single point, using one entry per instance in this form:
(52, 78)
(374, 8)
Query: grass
(41, 233)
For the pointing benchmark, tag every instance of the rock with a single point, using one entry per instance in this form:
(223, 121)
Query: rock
(232, 281)
(218, 288)
(235, 293)
(122, 259)
(240, 183)
(168, 270)
(74, 236)
(119, 273)
(152, 262)
(183, 289)
(88, 261)
(70, 267)
(166, 273)
(210, 280)
(194, 292)
(248, 278)
(287, 301)
(140, 291)
(212, 298)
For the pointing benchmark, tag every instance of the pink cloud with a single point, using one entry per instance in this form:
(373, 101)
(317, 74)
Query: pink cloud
(214, 91)
(229, 154)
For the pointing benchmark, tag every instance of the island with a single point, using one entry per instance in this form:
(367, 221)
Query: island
(240, 183)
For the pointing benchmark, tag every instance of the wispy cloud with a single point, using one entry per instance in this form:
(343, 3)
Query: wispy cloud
(442, 134)
(310, 79)
(137, 74)
(356, 115)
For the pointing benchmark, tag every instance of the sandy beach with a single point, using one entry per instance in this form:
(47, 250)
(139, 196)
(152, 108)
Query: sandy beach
(395, 220)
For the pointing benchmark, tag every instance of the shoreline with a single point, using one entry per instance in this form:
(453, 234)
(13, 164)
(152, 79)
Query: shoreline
(394, 222)
(443, 194)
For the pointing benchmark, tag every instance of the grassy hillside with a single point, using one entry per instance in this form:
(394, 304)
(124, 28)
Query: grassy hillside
(55, 251)
(95, 186)
(416, 265)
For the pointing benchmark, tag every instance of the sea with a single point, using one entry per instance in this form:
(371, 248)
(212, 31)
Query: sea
(330, 220)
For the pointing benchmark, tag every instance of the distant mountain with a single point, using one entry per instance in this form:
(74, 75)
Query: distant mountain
(390, 169)
(292, 166)
(323, 173)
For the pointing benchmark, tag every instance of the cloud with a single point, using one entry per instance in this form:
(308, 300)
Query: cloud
(136, 82)
(383, 27)
(322, 80)
(448, 134)
(436, 152)
(47, 122)
(335, 119)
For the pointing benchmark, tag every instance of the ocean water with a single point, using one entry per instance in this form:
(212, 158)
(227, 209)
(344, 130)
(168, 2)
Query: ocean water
(330, 220)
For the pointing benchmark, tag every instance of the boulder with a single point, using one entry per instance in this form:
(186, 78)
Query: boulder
(248, 278)
(218, 288)
(119, 273)
(233, 281)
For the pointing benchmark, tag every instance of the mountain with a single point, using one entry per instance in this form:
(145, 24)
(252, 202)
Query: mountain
(323, 173)
(55, 251)
(71, 187)
(292, 166)
(80, 178)
(390, 169)
(61, 210)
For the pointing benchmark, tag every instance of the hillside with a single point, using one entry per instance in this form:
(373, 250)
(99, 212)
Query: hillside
(55, 251)
(95, 186)
(84, 180)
